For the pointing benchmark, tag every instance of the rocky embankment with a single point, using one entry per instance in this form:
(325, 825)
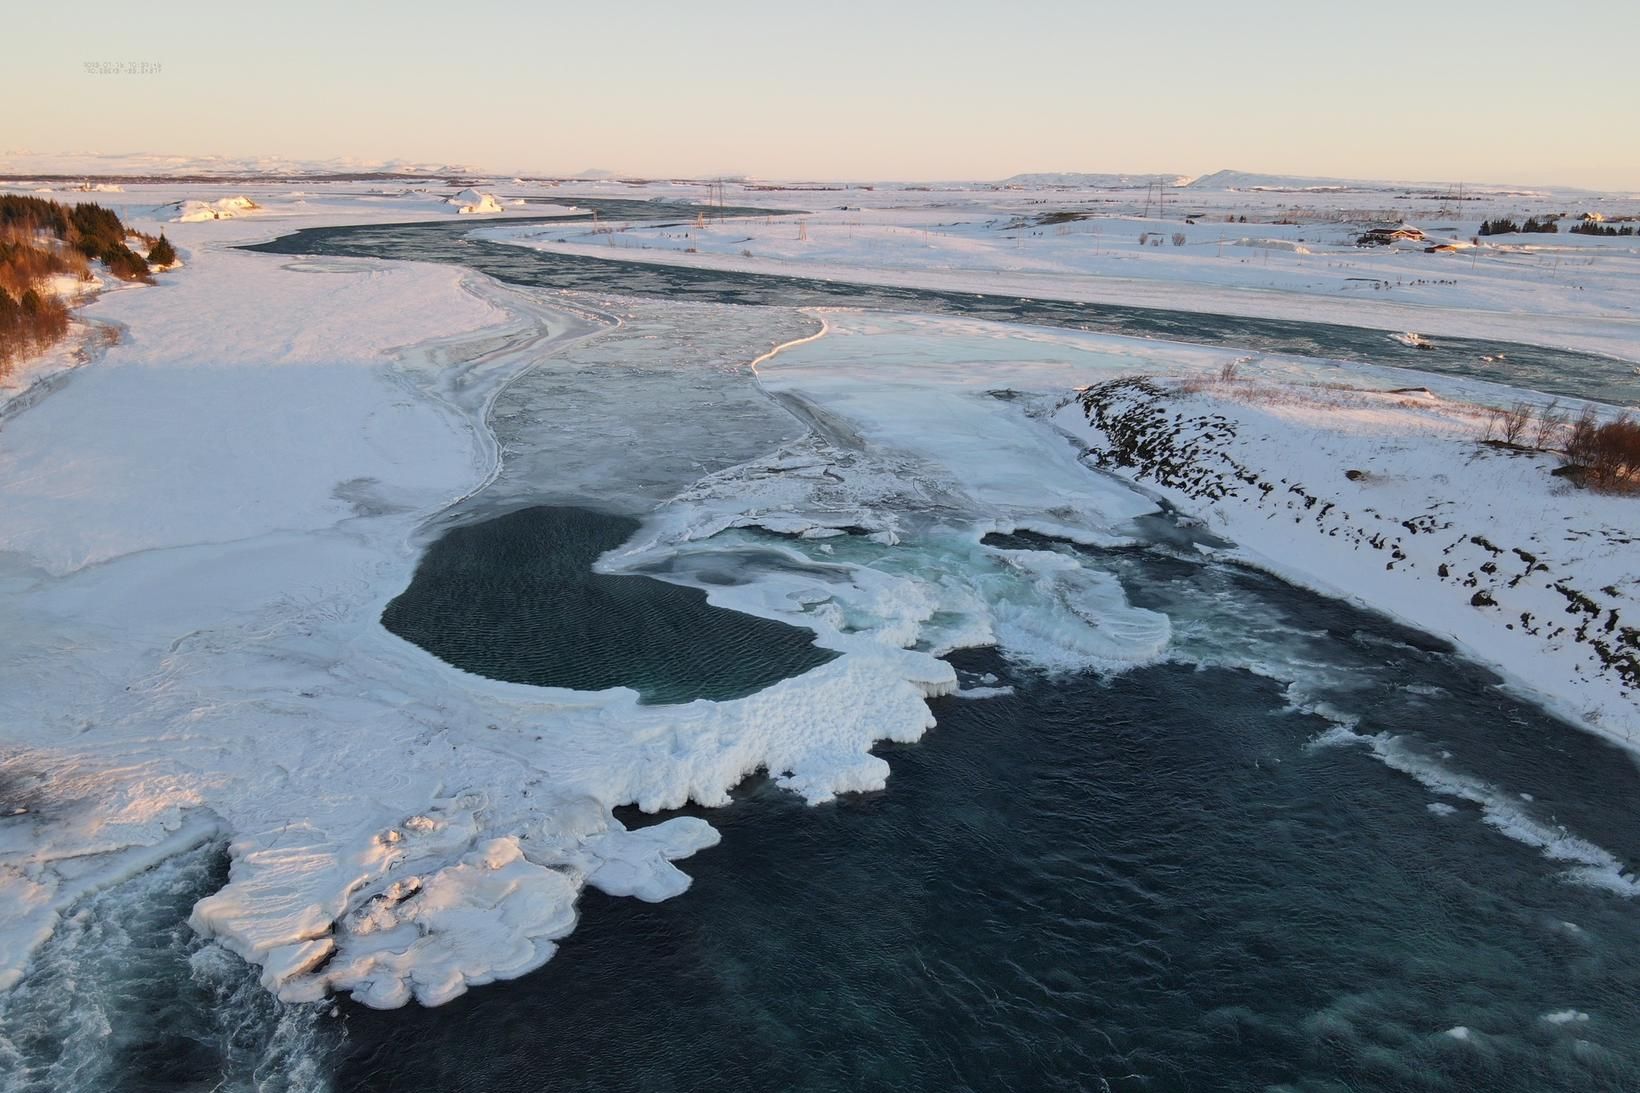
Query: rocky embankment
(1433, 527)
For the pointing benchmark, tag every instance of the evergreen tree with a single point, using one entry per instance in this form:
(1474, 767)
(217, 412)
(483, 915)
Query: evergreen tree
(125, 263)
(162, 253)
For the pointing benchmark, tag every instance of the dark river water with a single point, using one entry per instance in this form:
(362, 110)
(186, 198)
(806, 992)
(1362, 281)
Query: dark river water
(1555, 371)
(515, 598)
(1169, 880)
(1180, 878)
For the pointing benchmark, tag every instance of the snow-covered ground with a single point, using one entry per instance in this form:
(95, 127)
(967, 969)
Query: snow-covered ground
(204, 524)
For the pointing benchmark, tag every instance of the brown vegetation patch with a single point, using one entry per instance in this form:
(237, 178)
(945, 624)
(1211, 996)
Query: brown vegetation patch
(1606, 455)
(41, 239)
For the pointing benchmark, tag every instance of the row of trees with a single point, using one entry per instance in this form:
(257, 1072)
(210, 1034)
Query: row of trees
(1505, 226)
(1595, 227)
(87, 228)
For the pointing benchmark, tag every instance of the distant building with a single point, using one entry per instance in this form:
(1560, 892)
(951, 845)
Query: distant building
(1383, 236)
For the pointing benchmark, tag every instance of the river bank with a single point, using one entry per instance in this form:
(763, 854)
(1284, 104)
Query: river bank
(1392, 498)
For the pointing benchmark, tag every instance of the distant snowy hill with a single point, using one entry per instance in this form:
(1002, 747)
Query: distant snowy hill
(1084, 180)
(1251, 180)
(1248, 181)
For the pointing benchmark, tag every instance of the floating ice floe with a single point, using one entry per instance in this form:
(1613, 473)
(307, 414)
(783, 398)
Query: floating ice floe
(1565, 1017)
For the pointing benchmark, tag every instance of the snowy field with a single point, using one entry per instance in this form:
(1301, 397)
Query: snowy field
(205, 519)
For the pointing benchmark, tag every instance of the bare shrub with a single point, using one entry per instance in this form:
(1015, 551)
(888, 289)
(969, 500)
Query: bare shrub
(1617, 453)
(1580, 442)
(1608, 454)
(1510, 424)
(25, 261)
(1228, 375)
(1551, 422)
(29, 324)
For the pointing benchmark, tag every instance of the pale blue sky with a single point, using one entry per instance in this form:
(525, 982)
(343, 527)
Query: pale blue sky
(1439, 89)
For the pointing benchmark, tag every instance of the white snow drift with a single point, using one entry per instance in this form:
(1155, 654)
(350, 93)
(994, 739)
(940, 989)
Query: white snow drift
(222, 209)
(471, 201)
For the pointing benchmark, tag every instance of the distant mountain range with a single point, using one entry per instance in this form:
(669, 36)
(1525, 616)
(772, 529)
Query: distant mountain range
(1242, 180)
(1092, 180)
(152, 165)
(1252, 180)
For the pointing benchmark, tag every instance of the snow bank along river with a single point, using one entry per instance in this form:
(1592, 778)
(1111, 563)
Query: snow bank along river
(1180, 825)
